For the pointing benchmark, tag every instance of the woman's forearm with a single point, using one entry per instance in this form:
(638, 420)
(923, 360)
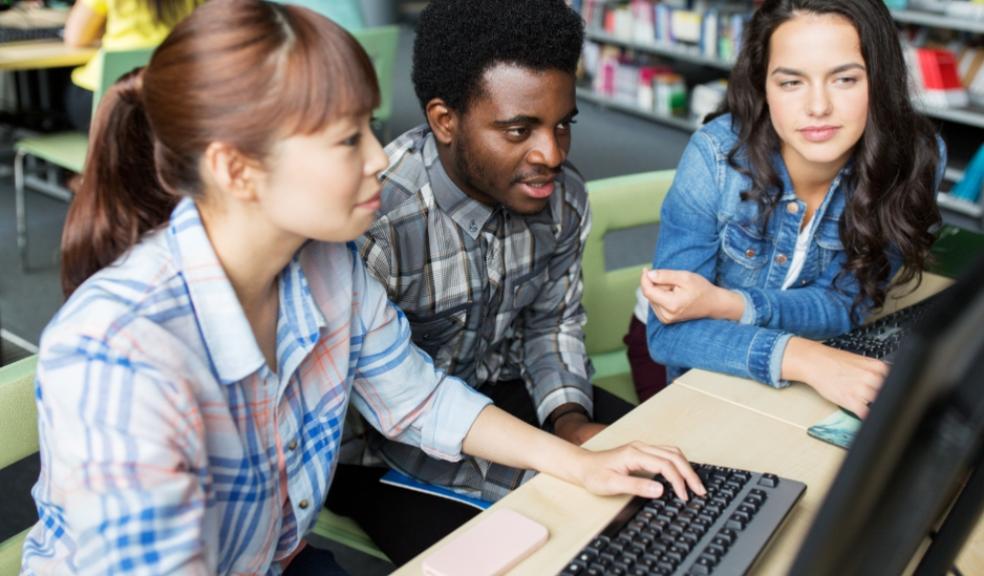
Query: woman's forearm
(502, 438)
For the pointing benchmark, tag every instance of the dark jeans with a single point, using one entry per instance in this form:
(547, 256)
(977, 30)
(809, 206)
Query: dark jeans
(404, 523)
(314, 562)
(648, 376)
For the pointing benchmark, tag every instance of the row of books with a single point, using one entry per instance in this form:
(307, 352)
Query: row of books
(643, 83)
(947, 79)
(711, 30)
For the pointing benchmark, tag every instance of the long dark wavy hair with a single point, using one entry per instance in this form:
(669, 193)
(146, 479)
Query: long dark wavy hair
(892, 206)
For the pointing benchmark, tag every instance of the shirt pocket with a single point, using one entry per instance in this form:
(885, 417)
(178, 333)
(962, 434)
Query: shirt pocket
(745, 256)
(434, 332)
(830, 247)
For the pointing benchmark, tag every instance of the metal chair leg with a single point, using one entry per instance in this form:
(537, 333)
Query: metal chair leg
(20, 208)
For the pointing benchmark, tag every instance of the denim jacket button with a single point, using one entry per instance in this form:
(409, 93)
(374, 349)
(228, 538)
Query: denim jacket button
(792, 208)
(781, 259)
(750, 253)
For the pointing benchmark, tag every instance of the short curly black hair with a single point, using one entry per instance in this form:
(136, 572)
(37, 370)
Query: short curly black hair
(459, 40)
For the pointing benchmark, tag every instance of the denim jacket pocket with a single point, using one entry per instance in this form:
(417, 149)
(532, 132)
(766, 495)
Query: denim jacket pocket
(431, 334)
(746, 253)
(829, 243)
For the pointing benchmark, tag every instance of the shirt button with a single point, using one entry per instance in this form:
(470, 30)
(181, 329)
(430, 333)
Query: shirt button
(750, 253)
(792, 208)
(303, 504)
(292, 445)
(781, 259)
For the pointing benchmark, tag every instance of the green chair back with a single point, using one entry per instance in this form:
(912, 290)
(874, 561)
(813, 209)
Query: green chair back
(115, 64)
(18, 439)
(617, 203)
(381, 43)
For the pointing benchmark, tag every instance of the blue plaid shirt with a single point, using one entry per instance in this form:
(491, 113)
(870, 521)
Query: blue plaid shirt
(169, 446)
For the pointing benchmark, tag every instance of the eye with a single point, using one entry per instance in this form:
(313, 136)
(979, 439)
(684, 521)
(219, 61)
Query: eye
(353, 140)
(789, 83)
(517, 131)
(566, 125)
(847, 80)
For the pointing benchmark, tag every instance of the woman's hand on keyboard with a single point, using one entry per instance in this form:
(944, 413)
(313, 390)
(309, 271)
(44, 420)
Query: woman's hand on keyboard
(610, 471)
(848, 380)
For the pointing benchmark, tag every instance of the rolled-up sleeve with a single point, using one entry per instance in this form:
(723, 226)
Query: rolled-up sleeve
(398, 389)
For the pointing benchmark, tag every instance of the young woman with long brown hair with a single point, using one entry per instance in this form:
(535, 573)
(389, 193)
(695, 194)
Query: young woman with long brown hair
(191, 392)
(793, 212)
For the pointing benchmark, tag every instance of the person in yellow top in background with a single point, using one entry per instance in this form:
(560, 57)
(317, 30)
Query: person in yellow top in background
(119, 25)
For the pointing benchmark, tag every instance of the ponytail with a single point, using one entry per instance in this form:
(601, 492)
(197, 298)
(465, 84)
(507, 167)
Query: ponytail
(120, 196)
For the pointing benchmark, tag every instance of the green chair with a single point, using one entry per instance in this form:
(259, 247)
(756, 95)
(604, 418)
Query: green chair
(609, 296)
(18, 439)
(381, 44)
(65, 149)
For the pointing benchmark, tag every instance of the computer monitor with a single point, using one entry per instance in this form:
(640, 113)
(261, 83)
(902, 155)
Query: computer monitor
(914, 472)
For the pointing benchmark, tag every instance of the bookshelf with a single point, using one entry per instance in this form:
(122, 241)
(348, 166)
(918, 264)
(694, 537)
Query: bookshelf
(938, 21)
(962, 213)
(668, 50)
(680, 122)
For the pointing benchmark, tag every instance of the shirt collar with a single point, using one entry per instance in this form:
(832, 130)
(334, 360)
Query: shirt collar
(469, 214)
(224, 327)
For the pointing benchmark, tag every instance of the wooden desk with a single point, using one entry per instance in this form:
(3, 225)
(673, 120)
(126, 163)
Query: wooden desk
(38, 54)
(754, 427)
(573, 516)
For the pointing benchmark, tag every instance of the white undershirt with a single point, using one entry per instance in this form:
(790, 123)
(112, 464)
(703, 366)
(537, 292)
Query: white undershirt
(799, 257)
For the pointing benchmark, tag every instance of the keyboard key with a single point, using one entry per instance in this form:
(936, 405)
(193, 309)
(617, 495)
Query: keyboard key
(716, 550)
(728, 534)
(617, 570)
(573, 569)
(758, 492)
(747, 509)
(770, 480)
(587, 556)
(743, 517)
(722, 542)
(594, 570)
(698, 570)
(639, 571)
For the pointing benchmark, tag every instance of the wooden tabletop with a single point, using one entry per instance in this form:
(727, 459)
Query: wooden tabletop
(36, 54)
(743, 425)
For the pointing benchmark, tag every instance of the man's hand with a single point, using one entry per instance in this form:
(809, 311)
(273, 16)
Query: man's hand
(679, 295)
(576, 428)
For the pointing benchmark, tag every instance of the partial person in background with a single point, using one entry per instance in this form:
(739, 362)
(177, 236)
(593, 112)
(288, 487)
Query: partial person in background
(191, 391)
(115, 25)
(797, 209)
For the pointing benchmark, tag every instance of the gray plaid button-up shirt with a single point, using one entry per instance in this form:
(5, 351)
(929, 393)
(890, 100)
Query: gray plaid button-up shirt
(490, 295)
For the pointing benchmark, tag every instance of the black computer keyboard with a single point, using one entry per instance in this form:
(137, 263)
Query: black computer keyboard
(722, 532)
(12, 34)
(881, 338)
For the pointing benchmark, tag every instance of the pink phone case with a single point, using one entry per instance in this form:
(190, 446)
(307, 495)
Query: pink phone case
(493, 545)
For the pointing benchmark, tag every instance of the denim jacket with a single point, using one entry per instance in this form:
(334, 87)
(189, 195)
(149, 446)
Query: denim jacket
(706, 228)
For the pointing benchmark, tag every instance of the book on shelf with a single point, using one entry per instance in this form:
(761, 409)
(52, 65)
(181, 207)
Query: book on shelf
(712, 31)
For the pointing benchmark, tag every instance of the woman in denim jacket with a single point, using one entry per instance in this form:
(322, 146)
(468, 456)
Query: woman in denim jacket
(792, 212)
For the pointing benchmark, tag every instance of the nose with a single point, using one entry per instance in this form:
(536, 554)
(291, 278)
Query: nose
(376, 159)
(819, 103)
(547, 151)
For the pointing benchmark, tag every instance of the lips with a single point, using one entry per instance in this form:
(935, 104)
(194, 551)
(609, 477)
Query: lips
(372, 203)
(819, 134)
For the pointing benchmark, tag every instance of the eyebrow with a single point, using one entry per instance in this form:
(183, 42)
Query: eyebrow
(531, 120)
(837, 70)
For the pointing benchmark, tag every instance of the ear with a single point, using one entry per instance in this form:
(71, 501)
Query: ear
(443, 120)
(231, 171)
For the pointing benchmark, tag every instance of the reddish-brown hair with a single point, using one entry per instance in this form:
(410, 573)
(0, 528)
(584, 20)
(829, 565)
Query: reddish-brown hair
(242, 72)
